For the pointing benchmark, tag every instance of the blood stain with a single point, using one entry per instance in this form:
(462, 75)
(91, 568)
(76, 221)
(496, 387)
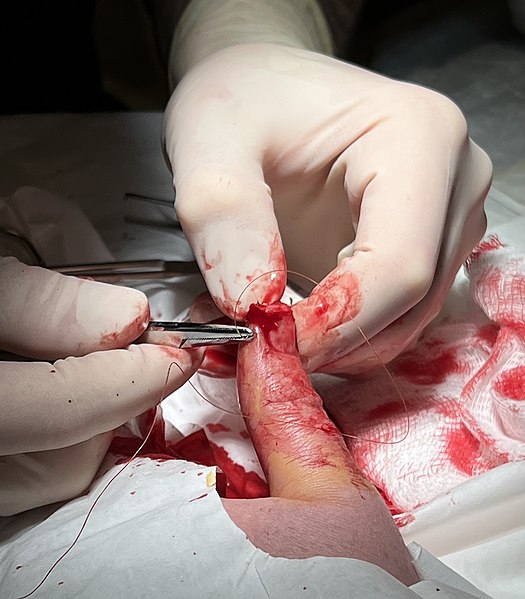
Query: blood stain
(240, 484)
(199, 497)
(217, 427)
(123, 337)
(405, 519)
(488, 333)
(233, 480)
(462, 449)
(431, 371)
(388, 409)
(511, 383)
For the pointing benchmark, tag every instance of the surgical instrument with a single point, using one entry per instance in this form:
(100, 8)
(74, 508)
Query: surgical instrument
(130, 270)
(16, 244)
(199, 334)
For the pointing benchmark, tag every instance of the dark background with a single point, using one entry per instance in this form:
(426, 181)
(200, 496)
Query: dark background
(86, 56)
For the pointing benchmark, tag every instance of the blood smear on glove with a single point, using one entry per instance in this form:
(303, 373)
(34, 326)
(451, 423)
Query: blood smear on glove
(511, 383)
(208, 400)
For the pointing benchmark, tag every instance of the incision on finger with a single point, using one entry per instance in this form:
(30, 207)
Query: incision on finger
(301, 450)
(320, 502)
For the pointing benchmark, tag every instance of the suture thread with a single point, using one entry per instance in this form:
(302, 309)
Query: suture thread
(97, 498)
(361, 332)
(236, 413)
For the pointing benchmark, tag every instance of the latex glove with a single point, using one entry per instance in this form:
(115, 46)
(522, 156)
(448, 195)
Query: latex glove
(57, 416)
(281, 150)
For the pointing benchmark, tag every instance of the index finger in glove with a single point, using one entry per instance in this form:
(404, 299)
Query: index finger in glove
(223, 203)
(416, 186)
(48, 315)
(48, 406)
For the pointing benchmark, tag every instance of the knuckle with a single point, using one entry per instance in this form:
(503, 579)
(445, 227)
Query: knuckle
(215, 192)
(450, 113)
(432, 109)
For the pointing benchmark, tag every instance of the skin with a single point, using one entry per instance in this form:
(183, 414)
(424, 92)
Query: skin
(333, 144)
(320, 503)
(63, 413)
(284, 157)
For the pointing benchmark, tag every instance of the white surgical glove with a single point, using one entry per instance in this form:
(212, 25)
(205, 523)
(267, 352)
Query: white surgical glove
(57, 417)
(370, 182)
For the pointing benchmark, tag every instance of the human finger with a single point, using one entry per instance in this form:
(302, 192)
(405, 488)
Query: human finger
(48, 315)
(412, 231)
(284, 414)
(319, 497)
(224, 205)
(463, 230)
(49, 406)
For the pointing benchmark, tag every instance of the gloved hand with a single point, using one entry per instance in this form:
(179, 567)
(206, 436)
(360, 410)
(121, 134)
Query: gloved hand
(281, 151)
(58, 417)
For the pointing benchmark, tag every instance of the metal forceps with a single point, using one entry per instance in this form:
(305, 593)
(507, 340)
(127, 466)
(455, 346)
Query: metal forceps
(190, 334)
(16, 244)
(131, 270)
(200, 335)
